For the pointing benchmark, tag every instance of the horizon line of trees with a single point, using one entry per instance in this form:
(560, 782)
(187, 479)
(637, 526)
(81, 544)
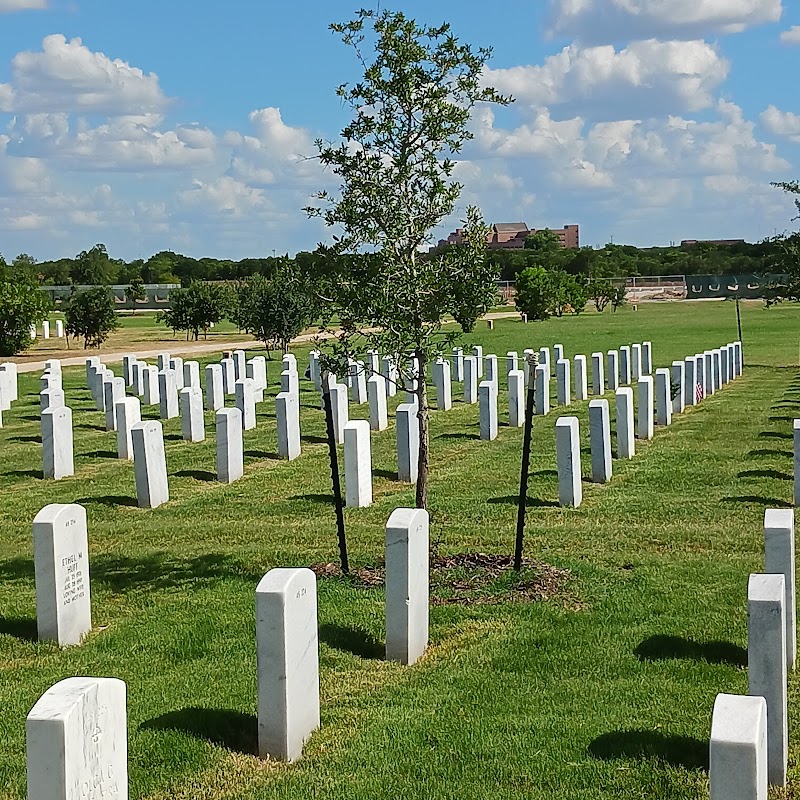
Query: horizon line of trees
(95, 266)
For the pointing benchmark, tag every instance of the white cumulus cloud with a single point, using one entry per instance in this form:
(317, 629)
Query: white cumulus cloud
(781, 123)
(7, 6)
(618, 20)
(67, 76)
(792, 36)
(644, 79)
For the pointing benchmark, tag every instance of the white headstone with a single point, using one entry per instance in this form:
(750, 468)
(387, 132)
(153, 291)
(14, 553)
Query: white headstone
(152, 395)
(315, 369)
(542, 390)
(796, 459)
(516, 398)
(77, 741)
(441, 380)
(256, 369)
(290, 382)
(580, 378)
(57, 452)
(193, 427)
(228, 376)
(246, 402)
(163, 361)
(358, 383)
(341, 410)
(376, 392)
(490, 369)
(288, 662)
(53, 365)
(407, 442)
(708, 372)
(544, 359)
(191, 374)
(176, 365)
(625, 365)
(389, 371)
(600, 440)
(239, 364)
(50, 380)
(149, 464)
(215, 393)
(568, 458)
(766, 665)
(526, 365)
(779, 559)
(690, 381)
(287, 417)
(487, 399)
(61, 565)
(470, 380)
(477, 354)
(357, 464)
(114, 392)
(139, 378)
(598, 374)
(59, 329)
(168, 394)
(647, 358)
(558, 352)
(737, 753)
(678, 388)
(612, 370)
(636, 362)
(626, 447)
(512, 362)
(563, 395)
(128, 412)
(663, 397)
(645, 427)
(51, 398)
(230, 445)
(407, 584)
(373, 363)
(127, 368)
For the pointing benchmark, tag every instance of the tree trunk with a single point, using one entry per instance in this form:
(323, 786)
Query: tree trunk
(424, 435)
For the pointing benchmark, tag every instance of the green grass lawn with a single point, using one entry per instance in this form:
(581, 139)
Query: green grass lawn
(604, 690)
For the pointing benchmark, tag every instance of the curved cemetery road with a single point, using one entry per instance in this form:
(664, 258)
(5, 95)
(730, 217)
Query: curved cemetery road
(186, 349)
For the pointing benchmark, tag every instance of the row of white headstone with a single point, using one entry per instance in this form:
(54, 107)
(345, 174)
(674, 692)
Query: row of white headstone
(657, 401)
(58, 331)
(76, 733)
(750, 734)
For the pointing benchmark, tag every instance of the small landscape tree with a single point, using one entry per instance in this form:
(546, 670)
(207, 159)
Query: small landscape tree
(90, 314)
(22, 305)
(136, 291)
(395, 165)
(196, 307)
(534, 294)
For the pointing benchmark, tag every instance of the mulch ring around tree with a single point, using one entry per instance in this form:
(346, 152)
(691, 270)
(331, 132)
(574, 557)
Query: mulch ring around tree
(475, 578)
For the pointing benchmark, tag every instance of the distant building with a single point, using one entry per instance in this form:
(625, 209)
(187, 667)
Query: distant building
(512, 235)
(721, 242)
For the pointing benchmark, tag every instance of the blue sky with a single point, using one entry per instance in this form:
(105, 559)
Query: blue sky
(187, 125)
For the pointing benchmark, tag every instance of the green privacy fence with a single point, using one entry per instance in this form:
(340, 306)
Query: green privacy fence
(752, 286)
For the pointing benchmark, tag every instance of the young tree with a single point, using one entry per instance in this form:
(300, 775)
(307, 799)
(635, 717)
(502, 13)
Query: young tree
(786, 253)
(194, 309)
(278, 308)
(535, 293)
(601, 290)
(22, 305)
(90, 314)
(136, 291)
(619, 297)
(410, 116)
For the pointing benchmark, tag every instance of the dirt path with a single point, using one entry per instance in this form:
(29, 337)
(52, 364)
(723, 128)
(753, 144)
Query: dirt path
(187, 349)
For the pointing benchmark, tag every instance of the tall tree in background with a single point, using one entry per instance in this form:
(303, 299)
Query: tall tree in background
(786, 257)
(90, 314)
(277, 308)
(22, 305)
(93, 267)
(194, 308)
(410, 116)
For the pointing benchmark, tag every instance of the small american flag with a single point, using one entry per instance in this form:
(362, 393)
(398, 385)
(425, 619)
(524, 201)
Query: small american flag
(698, 390)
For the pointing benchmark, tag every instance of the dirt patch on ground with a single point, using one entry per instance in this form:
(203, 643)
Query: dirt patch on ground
(476, 579)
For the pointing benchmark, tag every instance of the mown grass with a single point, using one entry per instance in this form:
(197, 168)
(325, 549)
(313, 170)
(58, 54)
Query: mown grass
(604, 691)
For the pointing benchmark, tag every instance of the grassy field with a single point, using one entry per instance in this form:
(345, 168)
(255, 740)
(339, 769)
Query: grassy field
(602, 690)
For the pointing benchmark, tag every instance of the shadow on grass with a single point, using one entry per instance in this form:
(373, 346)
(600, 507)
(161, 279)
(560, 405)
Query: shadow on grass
(386, 473)
(459, 435)
(772, 502)
(109, 500)
(314, 439)
(232, 729)
(775, 435)
(781, 419)
(543, 473)
(25, 473)
(767, 452)
(87, 427)
(19, 628)
(532, 502)
(100, 454)
(26, 439)
(261, 454)
(30, 418)
(173, 437)
(197, 474)
(662, 648)
(641, 745)
(765, 473)
(352, 640)
(325, 499)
